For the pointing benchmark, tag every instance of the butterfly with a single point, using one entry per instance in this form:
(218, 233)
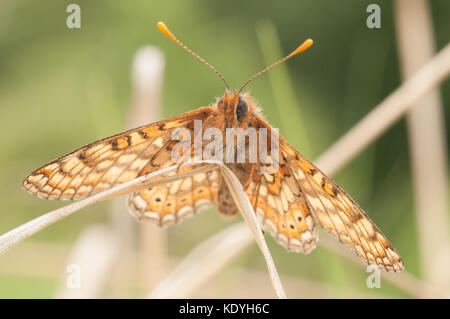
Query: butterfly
(289, 201)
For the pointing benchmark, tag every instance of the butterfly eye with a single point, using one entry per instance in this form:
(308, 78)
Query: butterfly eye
(241, 110)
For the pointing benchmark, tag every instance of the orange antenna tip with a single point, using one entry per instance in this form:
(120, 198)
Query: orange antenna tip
(163, 28)
(305, 45)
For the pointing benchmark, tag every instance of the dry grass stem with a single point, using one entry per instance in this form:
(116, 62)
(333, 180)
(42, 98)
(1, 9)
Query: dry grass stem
(385, 114)
(147, 79)
(17, 235)
(93, 254)
(211, 255)
(402, 280)
(147, 73)
(12, 238)
(203, 262)
(426, 134)
(244, 205)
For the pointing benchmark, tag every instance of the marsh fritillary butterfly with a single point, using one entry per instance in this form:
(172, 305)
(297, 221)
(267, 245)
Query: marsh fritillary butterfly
(289, 201)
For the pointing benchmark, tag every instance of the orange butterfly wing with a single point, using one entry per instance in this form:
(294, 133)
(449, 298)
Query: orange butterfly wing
(338, 213)
(174, 202)
(282, 210)
(111, 161)
(290, 201)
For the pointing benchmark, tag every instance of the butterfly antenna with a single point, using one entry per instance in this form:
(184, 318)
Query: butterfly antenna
(163, 28)
(305, 45)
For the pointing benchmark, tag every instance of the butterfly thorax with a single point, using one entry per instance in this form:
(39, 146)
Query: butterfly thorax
(236, 110)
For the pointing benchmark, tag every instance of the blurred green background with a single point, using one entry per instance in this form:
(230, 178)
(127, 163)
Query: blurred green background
(62, 88)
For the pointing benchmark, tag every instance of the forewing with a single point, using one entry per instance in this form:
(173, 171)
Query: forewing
(111, 161)
(338, 214)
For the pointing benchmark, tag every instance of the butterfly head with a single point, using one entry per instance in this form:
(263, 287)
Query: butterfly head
(237, 108)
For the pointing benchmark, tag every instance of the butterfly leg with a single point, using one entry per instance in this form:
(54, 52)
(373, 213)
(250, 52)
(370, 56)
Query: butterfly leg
(255, 204)
(252, 171)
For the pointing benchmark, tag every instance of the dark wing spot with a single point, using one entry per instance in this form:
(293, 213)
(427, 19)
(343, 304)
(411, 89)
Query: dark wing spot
(82, 157)
(334, 190)
(357, 217)
(143, 134)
